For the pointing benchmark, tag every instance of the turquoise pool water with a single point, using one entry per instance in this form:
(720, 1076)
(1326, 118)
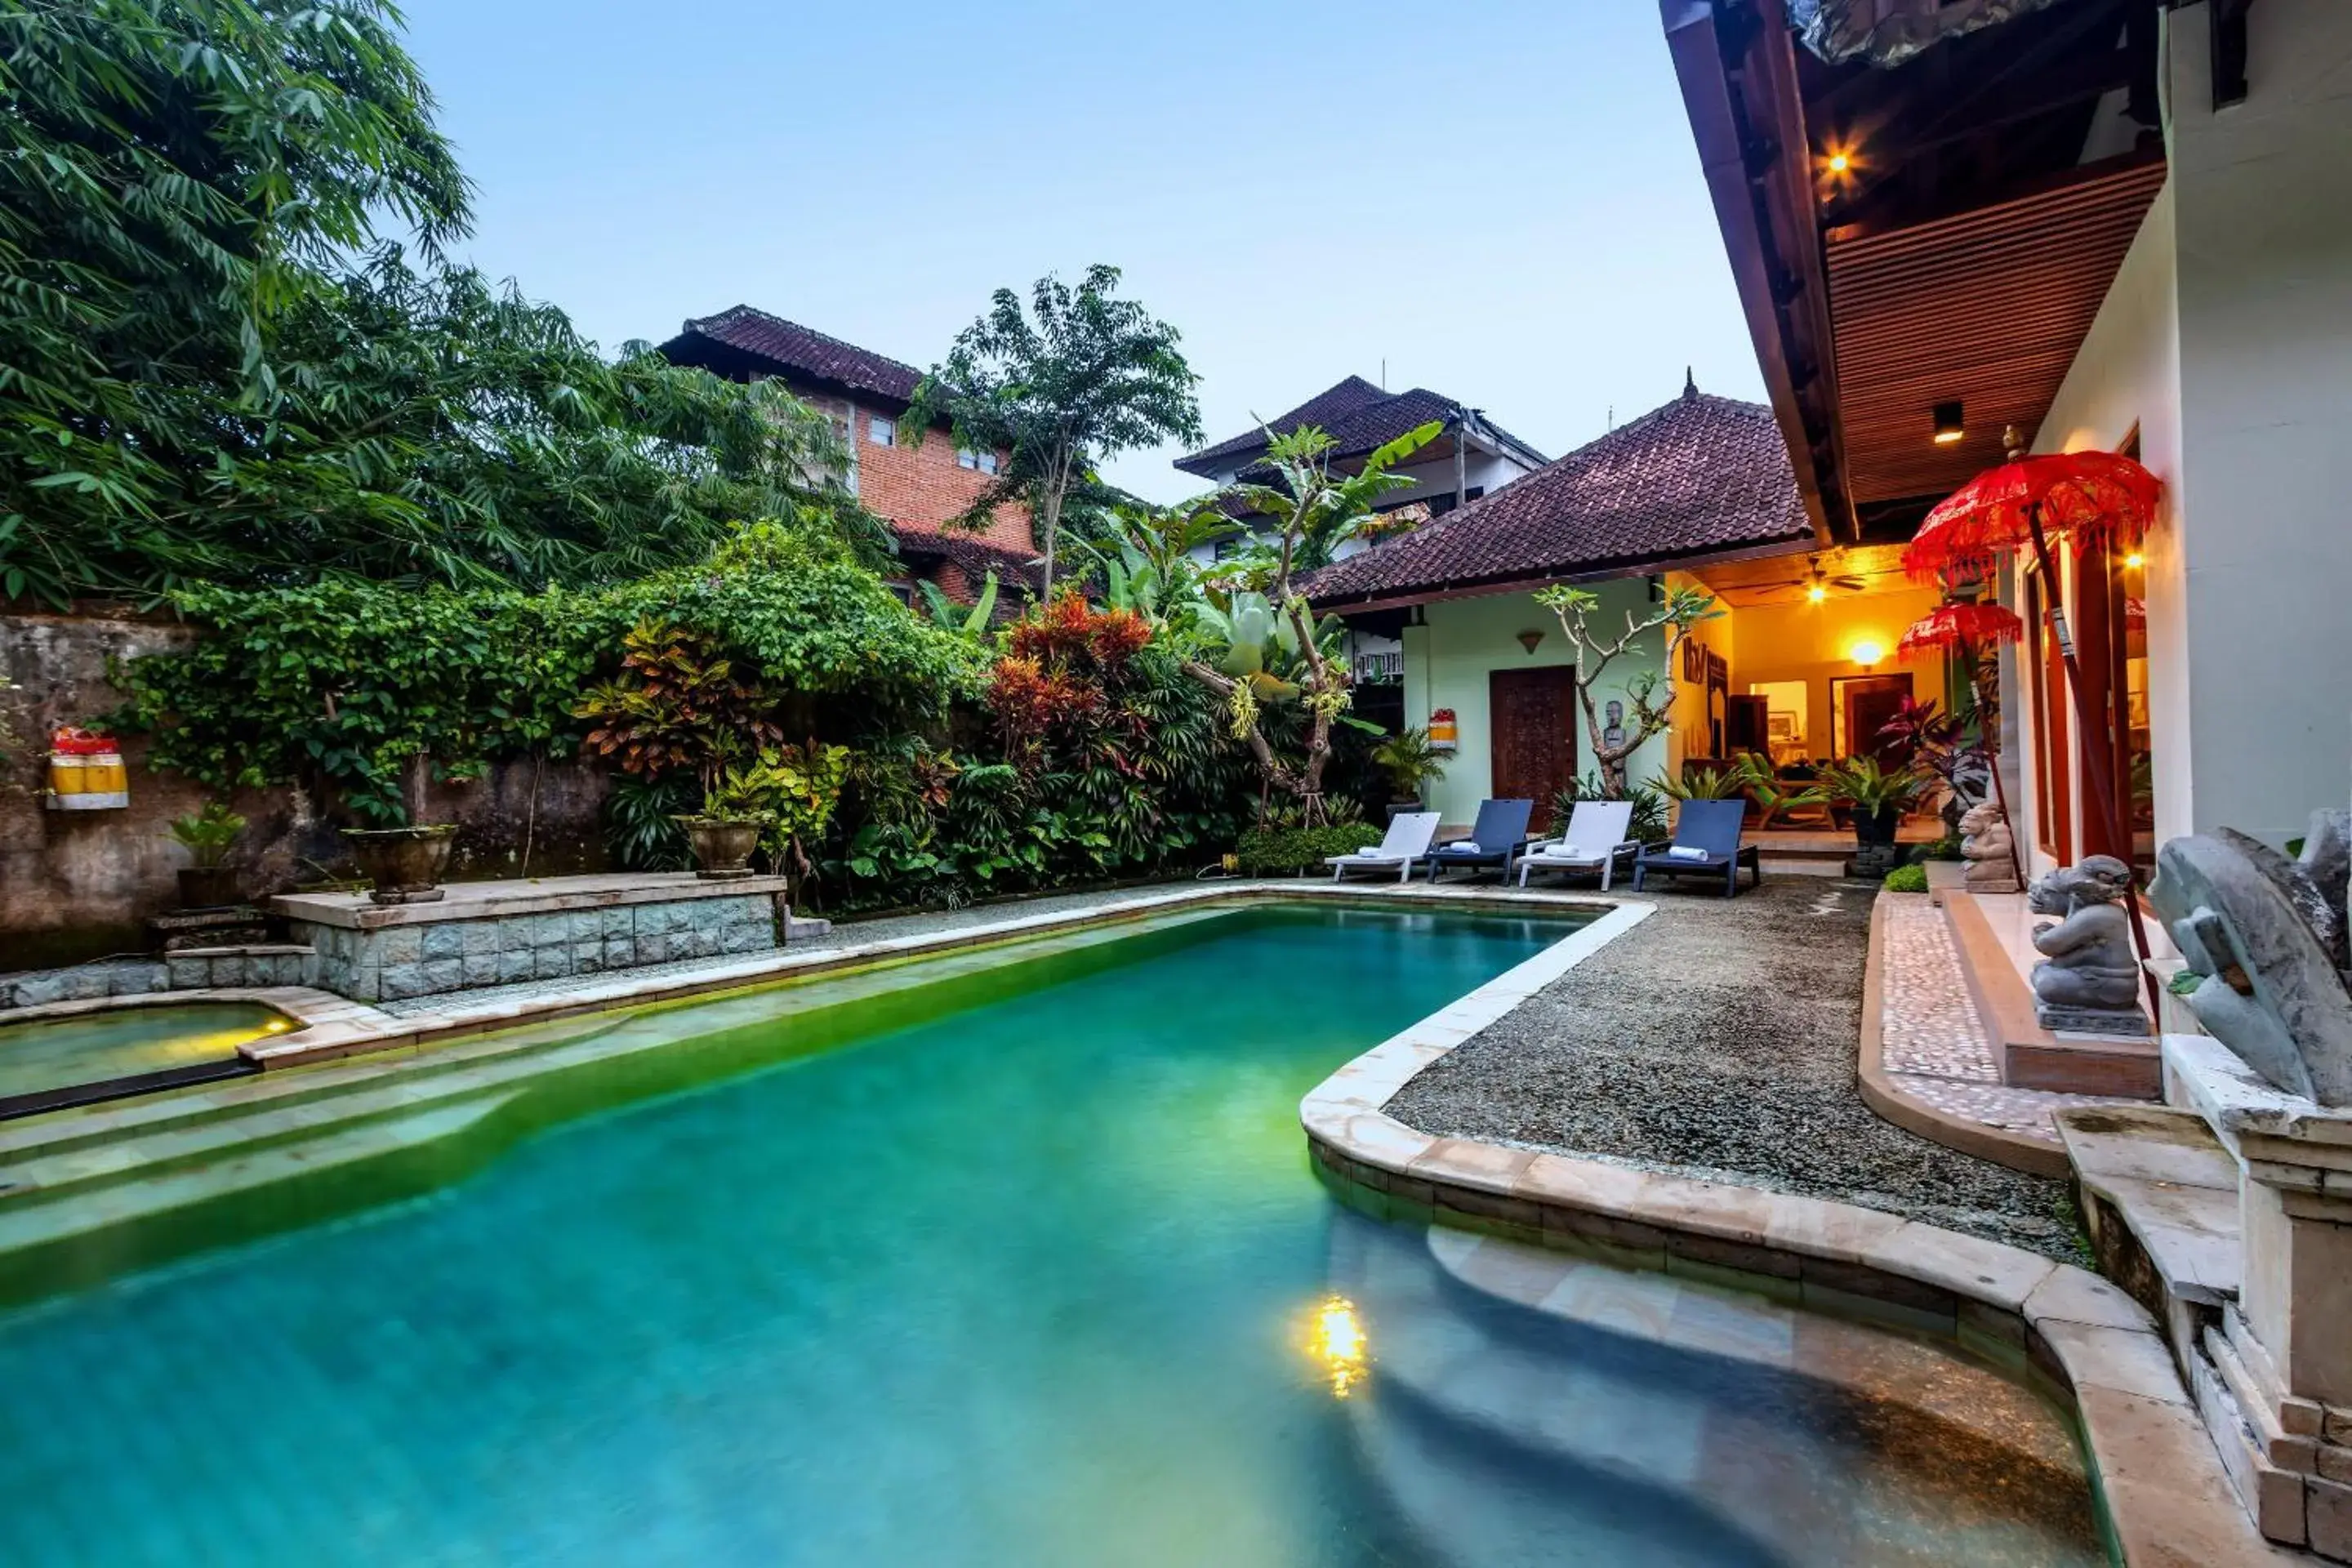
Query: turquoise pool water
(1027, 1283)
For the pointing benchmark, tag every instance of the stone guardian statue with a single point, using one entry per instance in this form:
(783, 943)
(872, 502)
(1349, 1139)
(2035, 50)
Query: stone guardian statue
(2088, 979)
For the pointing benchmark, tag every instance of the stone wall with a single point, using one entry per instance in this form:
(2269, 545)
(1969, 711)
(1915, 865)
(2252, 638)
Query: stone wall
(427, 957)
(78, 884)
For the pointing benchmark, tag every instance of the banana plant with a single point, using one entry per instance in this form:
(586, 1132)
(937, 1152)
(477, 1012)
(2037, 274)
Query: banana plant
(970, 620)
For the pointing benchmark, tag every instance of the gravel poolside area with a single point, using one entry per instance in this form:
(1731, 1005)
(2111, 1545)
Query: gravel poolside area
(1718, 1039)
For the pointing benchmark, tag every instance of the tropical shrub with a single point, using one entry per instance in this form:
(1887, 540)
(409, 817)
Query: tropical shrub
(1279, 851)
(1410, 762)
(1647, 824)
(341, 683)
(1912, 878)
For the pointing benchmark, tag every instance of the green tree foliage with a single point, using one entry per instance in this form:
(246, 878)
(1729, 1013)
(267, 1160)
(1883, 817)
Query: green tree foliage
(196, 383)
(1077, 377)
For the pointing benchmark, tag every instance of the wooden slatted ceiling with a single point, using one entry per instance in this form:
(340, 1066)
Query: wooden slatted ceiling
(1781, 579)
(1988, 307)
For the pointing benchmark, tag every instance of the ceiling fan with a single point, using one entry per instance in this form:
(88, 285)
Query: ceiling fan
(1818, 583)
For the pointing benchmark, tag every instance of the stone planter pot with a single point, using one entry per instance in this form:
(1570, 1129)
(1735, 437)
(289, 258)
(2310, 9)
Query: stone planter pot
(722, 845)
(207, 886)
(403, 863)
(1878, 828)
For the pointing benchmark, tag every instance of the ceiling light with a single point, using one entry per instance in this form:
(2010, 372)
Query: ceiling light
(1840, 162)
(2135, 560)
(1816, 593)
(1949, 426)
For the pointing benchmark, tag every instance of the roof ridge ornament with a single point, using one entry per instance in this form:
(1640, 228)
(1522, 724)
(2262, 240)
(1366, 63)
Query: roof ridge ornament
(1690, 386)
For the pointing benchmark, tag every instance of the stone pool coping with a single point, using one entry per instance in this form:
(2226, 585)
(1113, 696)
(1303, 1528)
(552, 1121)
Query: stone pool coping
(520, 895)
(2162, 1494)
(461, 1014)
(321, 1018)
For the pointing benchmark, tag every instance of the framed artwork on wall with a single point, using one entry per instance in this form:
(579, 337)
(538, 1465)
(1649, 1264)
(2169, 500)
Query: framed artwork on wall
(1693, 662)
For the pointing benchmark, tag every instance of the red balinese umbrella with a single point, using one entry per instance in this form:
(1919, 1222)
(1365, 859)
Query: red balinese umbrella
(2088, 498)
(1958, 627)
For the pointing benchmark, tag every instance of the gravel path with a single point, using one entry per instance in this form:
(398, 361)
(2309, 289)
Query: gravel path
(1718, 1039)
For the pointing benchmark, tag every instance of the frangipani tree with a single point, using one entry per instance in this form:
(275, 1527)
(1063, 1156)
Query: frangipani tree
(1247, 629)
(1649, 696)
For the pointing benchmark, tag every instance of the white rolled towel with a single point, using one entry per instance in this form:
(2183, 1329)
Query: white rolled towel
(1463, 846)
(1688, 852)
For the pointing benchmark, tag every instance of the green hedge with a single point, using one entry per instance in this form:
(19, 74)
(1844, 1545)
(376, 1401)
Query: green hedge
(1275, 851)
(1907, 879)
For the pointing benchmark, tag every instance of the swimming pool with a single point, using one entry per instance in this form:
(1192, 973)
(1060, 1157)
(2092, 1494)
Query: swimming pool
(124, 1048)
(1031, 1278)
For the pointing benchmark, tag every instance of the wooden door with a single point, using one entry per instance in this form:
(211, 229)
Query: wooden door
(1746, 726)
(1532, 714)
(1865, 704)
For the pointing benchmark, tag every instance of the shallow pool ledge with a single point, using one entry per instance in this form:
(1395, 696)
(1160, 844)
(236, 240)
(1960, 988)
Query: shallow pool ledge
(2159, 1483)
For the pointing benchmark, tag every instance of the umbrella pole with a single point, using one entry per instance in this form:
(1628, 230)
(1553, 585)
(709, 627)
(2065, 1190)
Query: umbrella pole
(2095, 757)
(1988, 725)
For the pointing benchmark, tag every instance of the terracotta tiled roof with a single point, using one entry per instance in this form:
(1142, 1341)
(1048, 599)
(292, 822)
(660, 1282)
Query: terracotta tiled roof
(1357, 414)
(1018, 571)
(1325, 409)
(787, 346)
(1698, 477)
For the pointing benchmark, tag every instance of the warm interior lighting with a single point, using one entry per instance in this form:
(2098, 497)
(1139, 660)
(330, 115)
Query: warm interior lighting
(1866, 652)
(1949, 425)
(1815, 593)
(1335, 1338)
(2135, 560)
(1840, 162)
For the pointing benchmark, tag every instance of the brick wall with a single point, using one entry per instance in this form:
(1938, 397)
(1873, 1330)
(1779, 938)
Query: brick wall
(916, 486)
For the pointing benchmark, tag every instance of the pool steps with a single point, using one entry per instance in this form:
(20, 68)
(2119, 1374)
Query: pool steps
(353, 1131)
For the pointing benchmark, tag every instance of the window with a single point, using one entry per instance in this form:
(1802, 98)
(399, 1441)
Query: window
(881, 431)
(985, 462)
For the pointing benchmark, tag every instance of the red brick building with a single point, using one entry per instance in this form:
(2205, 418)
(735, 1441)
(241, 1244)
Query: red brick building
(918, 489)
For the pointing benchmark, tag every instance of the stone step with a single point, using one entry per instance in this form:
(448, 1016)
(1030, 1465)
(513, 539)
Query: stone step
(2031, 1056)
(85, 1239)
(1763, 1423)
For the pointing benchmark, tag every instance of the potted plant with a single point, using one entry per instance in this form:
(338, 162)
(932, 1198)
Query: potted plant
(1411, 764)
(206, 882)
(1877, 797)
(734, 815)
(404, 862)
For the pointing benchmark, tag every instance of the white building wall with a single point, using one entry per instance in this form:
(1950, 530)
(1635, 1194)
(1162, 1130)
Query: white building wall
(2226, 340)
(2127, 377)
(2262, 206)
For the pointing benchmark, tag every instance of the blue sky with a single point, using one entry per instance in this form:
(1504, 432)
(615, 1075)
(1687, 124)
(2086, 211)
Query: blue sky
(1500, 200)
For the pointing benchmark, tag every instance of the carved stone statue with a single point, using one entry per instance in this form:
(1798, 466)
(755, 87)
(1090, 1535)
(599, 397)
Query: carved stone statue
(1986, 845)
(2267, 938)
(2089, 977)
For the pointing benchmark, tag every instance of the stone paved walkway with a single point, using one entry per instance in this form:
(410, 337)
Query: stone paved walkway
(1935, 1047)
